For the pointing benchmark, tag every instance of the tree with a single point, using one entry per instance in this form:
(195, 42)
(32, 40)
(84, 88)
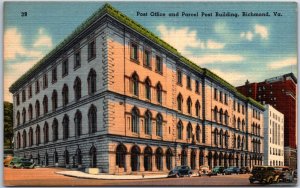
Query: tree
(8, 124)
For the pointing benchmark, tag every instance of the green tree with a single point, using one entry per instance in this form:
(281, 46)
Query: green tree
(8, 124)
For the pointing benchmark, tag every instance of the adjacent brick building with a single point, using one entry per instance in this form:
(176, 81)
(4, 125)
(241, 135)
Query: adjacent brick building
(279, 92)
(116, 97)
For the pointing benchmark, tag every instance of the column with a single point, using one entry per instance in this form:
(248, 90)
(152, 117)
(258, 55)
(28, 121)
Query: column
(142, 168)
(127, 163)
(164, 163)
(197, 159)
(154, 169)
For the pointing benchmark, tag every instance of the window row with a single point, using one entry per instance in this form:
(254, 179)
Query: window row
(193, 135)
(238, 124)
(65, 97)
(92, 123)
(188, 82)
(220, 96)
(189, 104)
(220, 116)
(255, 129)
(221, 138)
(237, 106)
(256, 145)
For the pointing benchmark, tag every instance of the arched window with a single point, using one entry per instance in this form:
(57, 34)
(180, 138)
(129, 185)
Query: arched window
(93, 157)
(234, 122)
(148, 122)
(159, 124)
(54, 100)
(77, 88)
(55, 130)
(78, 157)
(159, 159)
(183, 157)
(198, 133)
(30, 135)
(65, 124)
(135, 120)
(242, 143)
(243, 125)
(148, 89)
(121, 156)
(197, 108)
(92, 115)
(221, 116)
(37, 135)
(24, 115)
(189, 105)
(65, 95)
(216, 136)
(135, 158)
(92, 82)
(238, 142)
(169, 156)
(189, 131)
(216, 114)
(24, 139)
(226, 139)
(159, 93)
(179, 102)
(30, 112)
(179, 130)
(239, 123)
(45, 104)
(234, 141)
(226, 118)
(135, 84)
(66, 157)
(18, 118)
(55, 157)
(78, 123)
(18, 140)
(221, 138)
(46, 133)
(37, 109)
(148, 158)
(201, 158)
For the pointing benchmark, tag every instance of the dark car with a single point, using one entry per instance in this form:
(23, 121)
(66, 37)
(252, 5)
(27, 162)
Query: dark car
(264, 174)
(285, 173)
(232, 170)
(245, 170)
(218, 170)
(180, 171)
(21, 163)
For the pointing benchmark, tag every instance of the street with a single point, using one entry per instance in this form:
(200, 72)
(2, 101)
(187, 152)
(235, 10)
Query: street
(48, 177)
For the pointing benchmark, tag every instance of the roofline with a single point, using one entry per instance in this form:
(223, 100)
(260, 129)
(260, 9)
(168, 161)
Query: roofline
(107, 9)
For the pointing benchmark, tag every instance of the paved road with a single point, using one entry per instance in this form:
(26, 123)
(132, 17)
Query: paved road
(48, 177)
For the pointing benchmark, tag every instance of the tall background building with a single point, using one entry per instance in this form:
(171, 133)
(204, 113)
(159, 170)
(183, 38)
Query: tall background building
(279, 92)
(274, 137)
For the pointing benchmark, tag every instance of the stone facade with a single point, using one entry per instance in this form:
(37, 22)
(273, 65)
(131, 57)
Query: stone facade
(148, 110)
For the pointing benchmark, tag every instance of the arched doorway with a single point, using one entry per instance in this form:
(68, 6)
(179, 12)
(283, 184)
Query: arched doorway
(221, 159)
(201, 158)
(226, 160)
(93, 157)
(216, 156)
(183, 157)
(231, 159)
(46, 159)
(158, 158)
(237, 161)
(210, 160)
(148, 159)
(66, 157)
(242, 160)
(135, 158)
(169, 155)
(78, 157)
(193, 159)
(121, 156)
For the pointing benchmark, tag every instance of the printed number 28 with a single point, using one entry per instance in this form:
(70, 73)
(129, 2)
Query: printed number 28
(23, 14)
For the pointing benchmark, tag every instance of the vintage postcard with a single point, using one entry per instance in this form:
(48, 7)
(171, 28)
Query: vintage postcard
(150, 93)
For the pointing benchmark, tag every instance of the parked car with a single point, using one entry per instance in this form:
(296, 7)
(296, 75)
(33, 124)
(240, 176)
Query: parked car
(232, 170)
(7, 160)
(283, 171)
(218, 170)
(204, 170)
(180, 171)
(17, 162)
(264, 174)
(245, 170)
(295, 173)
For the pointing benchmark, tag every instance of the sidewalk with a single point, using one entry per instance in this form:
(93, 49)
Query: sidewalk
(79, 174)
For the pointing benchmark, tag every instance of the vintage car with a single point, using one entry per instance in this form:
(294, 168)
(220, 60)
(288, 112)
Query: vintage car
(7, 160)
(285, 173)
(264, 174)
(17, 162)
(245, 170)
(218, 170)
(232, 170)
(180, 171)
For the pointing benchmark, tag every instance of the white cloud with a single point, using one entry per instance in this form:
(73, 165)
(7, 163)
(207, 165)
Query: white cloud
(13, 44)
(232, 77)
(43, 39)
(217, 58)
(282, 63)
(262, 31)
(184, 38)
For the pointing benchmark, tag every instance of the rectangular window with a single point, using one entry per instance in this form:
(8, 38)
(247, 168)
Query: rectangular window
(77, 59)
(54, 75)
(23, 96)
(234, 105)
(226, 99)
(37, 87)
(215, 94)
(179, 77)
(147, 58)
(65, 67)
(158, 64)
(45, 81)
(243, 109)
(134, 51)
(197, 86)
(30, 91)
(18, 99)
(188, 82)
(91, 50)
(221, 96)
(239, 107)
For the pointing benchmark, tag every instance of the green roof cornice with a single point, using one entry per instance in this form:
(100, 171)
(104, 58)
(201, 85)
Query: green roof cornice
(111, 11)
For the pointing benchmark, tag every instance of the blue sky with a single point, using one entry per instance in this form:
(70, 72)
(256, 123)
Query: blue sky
(237, 49)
